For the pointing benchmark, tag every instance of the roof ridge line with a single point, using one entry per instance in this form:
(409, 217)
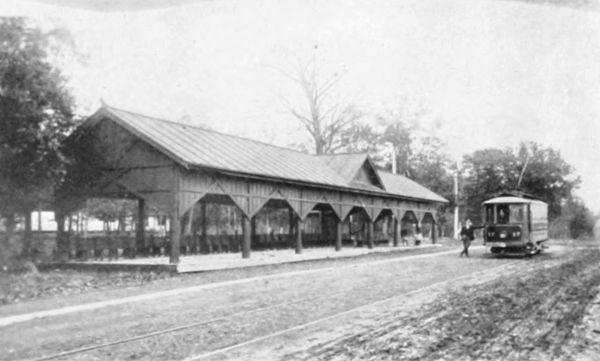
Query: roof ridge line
(336, 154)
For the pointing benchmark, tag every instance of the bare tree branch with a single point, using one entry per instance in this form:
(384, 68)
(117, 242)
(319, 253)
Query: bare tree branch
(323, 118)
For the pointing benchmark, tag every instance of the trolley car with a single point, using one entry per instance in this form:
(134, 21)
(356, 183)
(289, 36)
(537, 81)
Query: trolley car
(515, 224)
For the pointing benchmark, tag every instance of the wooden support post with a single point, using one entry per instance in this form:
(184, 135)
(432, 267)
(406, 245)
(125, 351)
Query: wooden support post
(194, 233)
(189, 232)
(291, 217)
(246, 231)
(370, 233)
(175, 239)
(253, 236)
(139, 229)
(39, 220)
(338, 235)
(396, 231)
(204, 239)
(433, 233)
(298, 235)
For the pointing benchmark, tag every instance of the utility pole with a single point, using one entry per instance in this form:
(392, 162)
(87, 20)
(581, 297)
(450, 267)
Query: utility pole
(394, 169)
(456, 203)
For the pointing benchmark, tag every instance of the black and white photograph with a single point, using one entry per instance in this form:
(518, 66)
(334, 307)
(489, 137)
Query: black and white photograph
(299, 180)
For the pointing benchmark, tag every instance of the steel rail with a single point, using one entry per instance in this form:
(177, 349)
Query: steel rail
(85, 349)
(343, 313)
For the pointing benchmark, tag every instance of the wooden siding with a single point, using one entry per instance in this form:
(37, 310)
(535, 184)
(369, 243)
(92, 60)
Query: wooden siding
(147, 173)
(250, 195)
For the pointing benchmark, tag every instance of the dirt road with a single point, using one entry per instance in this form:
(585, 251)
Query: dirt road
(264, 318)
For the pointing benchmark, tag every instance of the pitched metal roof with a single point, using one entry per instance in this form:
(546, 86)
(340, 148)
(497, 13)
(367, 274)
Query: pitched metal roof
(346, 165)
(192, 146)
(400, 185)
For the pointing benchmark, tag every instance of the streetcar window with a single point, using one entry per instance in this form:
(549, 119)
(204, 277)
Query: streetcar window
(517, 213)
(503, 214)
(489, 214)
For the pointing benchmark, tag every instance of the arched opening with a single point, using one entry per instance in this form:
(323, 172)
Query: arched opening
(355, 229)
(211, 225)
(384, 227)
(273, 226)
(106, 228)
(428, 228)
(408, 226)
(320, 226)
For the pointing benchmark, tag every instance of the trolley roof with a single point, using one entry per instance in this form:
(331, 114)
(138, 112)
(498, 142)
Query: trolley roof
(511, 199)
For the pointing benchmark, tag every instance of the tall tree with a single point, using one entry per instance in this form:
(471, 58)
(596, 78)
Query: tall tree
(430, 166)
(547, 175)
(399, 127)
(486, 171)
(537, 170)
(400, 137)
(420, 157)
(36, 114)
(581, 221)
(328, 121)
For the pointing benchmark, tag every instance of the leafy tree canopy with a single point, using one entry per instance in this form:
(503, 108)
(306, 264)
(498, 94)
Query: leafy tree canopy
(419, 155)
(35, 116)
(531, 168)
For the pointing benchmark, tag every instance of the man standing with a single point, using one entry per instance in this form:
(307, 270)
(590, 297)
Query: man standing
(467, 236)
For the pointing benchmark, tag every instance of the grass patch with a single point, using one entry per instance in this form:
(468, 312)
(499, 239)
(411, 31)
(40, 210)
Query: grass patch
(25, 286)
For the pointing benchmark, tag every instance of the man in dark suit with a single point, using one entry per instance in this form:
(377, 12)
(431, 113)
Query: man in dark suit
(467, 236)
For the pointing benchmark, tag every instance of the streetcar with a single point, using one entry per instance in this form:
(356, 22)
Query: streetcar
(515, 224)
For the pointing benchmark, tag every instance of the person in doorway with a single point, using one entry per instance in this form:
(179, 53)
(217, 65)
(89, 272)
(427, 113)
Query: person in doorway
(403, 235)
(467, 236)
(418, 236)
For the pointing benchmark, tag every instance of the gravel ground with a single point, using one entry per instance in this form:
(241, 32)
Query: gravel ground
(297, 299)
(529, 317)
(586, 336)
(421, 333)
(29, 292)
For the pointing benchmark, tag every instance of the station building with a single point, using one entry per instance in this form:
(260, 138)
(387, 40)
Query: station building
(180, 169)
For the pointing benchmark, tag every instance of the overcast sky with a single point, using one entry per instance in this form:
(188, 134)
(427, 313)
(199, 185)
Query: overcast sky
(491, 73)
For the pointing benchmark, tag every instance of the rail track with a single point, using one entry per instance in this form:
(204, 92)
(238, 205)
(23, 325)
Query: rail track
(279, 308)
(525, 333)
(9, 320)
(487, 275)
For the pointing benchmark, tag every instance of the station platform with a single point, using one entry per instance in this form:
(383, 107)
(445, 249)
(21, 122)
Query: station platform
(224, 261)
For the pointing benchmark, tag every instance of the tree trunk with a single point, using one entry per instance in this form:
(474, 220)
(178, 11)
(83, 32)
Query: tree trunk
(9, 224)
(27, 234)
(62, 242)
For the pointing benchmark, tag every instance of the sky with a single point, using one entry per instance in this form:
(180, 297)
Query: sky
(490, 73)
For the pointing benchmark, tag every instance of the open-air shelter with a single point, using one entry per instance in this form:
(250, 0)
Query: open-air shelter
(177, 168)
